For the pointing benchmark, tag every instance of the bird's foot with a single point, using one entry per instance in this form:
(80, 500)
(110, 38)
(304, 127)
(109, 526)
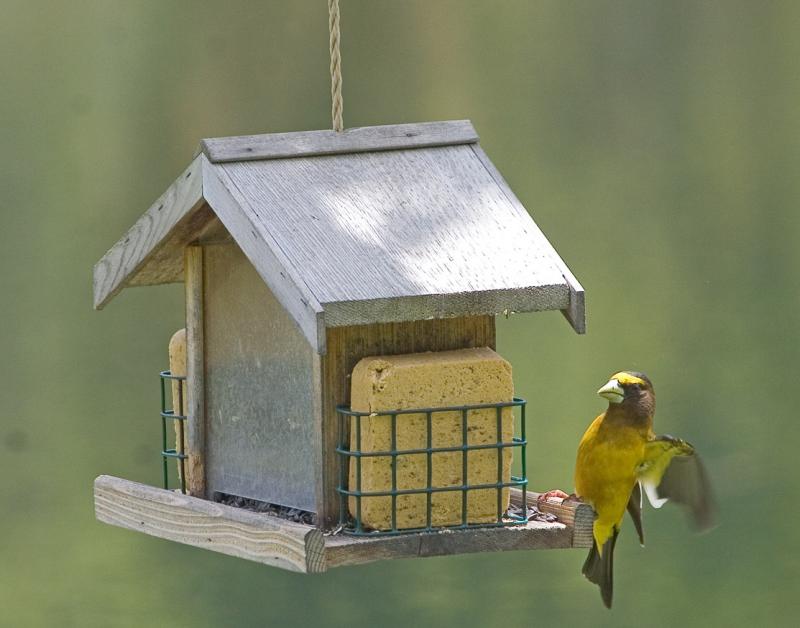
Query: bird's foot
(555, 493)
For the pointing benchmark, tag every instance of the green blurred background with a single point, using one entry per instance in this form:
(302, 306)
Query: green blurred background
(656, 143)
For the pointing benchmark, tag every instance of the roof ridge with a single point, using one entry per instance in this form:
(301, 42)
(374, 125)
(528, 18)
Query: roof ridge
(327, 142)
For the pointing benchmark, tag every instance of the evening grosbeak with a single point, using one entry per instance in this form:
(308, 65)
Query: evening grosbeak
(619, 457)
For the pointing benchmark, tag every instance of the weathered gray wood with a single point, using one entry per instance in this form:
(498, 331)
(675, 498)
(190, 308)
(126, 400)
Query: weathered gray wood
(360, 238)
(416, 307)
(346, 346)
(165, 263)
(325, 440)
(216, 527)
(152, 231)
(309, 143)
(252, 236)
(572, 530)
(341, 550)
(214, 233)
(579, 517)
(575, 312)
(293, 546)
(401, 235)
(195, 380)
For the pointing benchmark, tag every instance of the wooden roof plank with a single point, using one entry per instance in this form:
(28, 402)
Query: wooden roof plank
(575, 312)
(425, 306)
(407, 235)
(267, 258)
(361, 139)
(165, 264)
(127, 257)
(364, 236)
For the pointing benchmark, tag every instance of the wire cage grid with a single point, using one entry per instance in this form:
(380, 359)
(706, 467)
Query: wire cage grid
(351, 421)
(179, 451)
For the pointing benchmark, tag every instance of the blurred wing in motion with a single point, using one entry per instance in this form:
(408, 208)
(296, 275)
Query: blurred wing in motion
(685, 482)
(672, 470)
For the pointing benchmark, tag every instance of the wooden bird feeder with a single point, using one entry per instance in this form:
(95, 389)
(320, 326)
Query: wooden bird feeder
(313, 262)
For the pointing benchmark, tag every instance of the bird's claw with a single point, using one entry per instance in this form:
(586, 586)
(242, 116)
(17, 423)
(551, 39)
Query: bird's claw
(555, 493)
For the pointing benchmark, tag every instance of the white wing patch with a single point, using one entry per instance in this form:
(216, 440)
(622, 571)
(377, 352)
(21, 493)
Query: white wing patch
(652, 494)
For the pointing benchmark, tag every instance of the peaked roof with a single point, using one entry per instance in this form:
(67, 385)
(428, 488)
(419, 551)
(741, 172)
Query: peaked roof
(375, 224)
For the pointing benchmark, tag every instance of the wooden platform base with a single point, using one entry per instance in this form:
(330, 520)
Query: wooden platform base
(297, 547)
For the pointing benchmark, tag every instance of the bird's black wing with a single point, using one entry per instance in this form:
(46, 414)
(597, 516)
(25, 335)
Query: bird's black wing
(635, 511)
(674, 471)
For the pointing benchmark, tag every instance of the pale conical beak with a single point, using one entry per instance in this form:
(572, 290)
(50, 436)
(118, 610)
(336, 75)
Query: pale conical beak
(612, 391)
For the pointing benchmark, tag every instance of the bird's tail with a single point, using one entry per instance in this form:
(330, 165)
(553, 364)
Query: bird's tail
(600, 568)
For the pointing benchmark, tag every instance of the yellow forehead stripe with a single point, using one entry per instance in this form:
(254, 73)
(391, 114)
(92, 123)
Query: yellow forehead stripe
(626, 378)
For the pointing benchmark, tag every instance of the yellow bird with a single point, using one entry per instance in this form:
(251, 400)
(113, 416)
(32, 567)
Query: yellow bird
(619, 457)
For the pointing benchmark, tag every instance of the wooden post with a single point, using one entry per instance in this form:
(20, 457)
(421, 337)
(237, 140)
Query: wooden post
(195, 371)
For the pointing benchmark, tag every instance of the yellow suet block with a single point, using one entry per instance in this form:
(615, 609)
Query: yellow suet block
(177, 366)
(424, 380)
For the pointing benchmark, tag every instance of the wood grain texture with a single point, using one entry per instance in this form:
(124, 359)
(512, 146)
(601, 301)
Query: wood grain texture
(470, 303)
(239, 217)
(309, 143)
(324, 434)
(195, 379)
(341, 550)
(400, 235)
(165, 263)
(127, 258)
(576, 515)
(213, 233)
(216, 527)
(347, 345)
(362, 237)
(575, 311)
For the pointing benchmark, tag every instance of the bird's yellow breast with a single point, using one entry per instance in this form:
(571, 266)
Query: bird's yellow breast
(605, 472)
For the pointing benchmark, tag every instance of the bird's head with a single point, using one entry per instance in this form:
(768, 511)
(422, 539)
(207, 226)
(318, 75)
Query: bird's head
(630, 390)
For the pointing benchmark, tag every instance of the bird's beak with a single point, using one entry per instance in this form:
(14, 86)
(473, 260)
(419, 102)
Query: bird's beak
(612, 391)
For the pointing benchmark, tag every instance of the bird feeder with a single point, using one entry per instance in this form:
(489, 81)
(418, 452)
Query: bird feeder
(341, 400)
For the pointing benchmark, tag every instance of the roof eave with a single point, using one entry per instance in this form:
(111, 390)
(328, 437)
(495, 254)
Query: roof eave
(165, 220)
(419, 307)
(575, 311)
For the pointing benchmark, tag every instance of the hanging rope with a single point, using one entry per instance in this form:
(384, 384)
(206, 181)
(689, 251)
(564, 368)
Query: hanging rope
(336, 66)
